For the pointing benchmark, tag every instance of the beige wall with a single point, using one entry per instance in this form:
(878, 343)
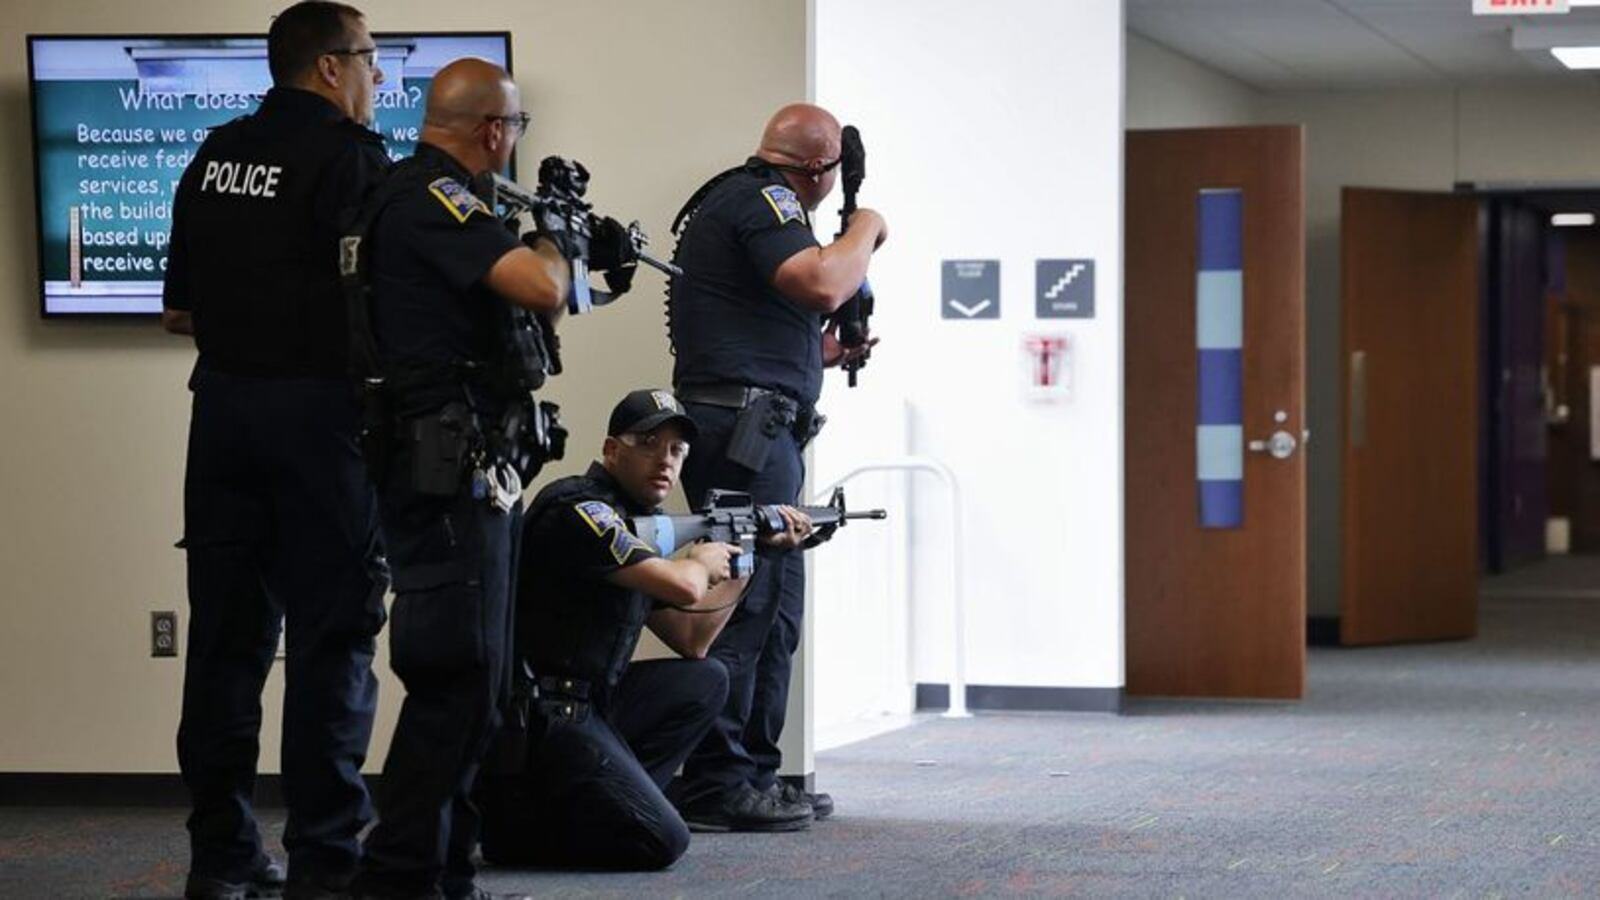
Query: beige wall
(91, 457)
(1168, 90)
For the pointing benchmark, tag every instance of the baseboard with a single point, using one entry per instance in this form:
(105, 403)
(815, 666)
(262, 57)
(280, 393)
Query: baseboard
(1015, 698)
(806, 782)
(100, 789)
(1322, 631)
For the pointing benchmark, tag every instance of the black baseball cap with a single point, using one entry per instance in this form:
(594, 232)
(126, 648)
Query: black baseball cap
(647, 409)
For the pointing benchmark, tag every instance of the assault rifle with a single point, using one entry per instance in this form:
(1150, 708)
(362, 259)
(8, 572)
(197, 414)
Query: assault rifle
(560, 212)
(730, 517)
(853, 316)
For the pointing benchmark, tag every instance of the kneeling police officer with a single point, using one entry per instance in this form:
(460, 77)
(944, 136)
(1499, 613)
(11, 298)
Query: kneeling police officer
(600, 737)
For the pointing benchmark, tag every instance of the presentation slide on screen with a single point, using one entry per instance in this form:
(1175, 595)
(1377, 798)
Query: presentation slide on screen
(116, 120)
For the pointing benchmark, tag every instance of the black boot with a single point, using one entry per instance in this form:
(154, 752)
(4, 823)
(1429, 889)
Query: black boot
(788, 792)
(265, 879)
(745, 809)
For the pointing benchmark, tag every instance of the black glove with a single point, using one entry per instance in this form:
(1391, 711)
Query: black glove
(566, 227)
(611, 246)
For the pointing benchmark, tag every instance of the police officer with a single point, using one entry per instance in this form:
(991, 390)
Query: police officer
(445, 275)
(279, 518)
(748, 331)
(604, 737)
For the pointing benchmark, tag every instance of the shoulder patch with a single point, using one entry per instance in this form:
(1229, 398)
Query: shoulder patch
(785, 205)
(608, 525)
(457, 199)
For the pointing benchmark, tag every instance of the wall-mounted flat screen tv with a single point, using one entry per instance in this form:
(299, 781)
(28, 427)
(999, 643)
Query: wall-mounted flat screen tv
(116, 120)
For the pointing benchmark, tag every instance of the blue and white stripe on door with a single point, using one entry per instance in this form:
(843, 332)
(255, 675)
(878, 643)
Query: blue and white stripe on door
(1219, 343)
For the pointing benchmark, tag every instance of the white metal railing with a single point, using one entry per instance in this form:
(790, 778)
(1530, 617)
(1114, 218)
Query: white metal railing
(958, 678)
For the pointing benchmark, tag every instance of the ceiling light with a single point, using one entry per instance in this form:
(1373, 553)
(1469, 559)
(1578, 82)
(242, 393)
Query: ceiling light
(1578, 57)
(1571, 220)
(1583, 2)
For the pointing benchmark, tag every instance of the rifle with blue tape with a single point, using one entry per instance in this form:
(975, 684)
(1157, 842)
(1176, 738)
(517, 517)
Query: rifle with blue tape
(561, 213)
(731, 518)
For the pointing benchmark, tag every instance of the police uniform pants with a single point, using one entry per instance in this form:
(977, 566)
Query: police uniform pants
(757, 645)
(279, 526)
(591, 796)
(453, 561)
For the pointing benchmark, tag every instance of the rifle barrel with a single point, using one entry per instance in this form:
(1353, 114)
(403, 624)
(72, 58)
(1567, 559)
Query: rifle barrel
(666, 267)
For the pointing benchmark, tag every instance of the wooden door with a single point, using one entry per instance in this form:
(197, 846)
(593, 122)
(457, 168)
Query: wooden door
(1410, 284)
(1215, 531)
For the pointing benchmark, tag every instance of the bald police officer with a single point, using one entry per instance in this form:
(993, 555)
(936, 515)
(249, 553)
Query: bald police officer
(748, 333)
(279, 517)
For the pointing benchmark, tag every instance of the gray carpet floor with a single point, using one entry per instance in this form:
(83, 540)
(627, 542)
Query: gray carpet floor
(1466, 769)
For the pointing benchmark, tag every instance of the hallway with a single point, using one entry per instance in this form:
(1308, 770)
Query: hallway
(1468, 769)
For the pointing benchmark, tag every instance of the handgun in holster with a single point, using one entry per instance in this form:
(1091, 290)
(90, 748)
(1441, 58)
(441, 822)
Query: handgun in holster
(758, 425)
(441, 443)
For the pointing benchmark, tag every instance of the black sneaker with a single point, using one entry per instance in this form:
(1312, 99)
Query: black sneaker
(745, 809)
(265, 879)
(821, 804)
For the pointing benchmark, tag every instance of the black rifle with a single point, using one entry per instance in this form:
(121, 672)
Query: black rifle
(852, 318)
(730, 517)
(561, 213)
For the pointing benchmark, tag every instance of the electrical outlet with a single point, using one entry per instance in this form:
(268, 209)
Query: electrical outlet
(164, 633)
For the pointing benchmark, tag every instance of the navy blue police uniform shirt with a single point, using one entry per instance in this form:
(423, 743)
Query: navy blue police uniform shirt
(570, 619)
(256, 222)
(432, 246)
(729, 324)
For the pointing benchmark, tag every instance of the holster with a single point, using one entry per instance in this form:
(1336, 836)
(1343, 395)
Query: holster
(757, 426)
(807, 425)
(441, 444)
(508, 755)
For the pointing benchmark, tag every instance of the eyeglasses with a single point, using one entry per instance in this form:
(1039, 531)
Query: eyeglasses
(655, 443)
(520, 122)
(368, 55)
(811, 171)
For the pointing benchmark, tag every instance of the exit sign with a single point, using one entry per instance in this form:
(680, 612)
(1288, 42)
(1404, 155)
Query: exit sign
(1517, 7)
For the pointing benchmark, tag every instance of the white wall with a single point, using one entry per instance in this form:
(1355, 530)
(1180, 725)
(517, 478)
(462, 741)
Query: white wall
(994, 132)
(653, 97)
(1421, 140)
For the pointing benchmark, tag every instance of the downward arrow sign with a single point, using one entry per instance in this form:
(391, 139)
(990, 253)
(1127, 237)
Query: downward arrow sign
(970, 311)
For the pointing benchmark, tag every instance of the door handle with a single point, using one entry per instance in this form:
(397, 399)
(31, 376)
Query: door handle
(1358, 399)
(1280, 446)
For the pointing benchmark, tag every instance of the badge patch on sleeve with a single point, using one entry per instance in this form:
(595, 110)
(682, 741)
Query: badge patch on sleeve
(784, 203)
(608, 525)
(456, 198)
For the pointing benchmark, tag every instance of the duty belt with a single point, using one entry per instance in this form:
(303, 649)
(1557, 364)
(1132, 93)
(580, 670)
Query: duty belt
(729, 395)
(725, 394)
